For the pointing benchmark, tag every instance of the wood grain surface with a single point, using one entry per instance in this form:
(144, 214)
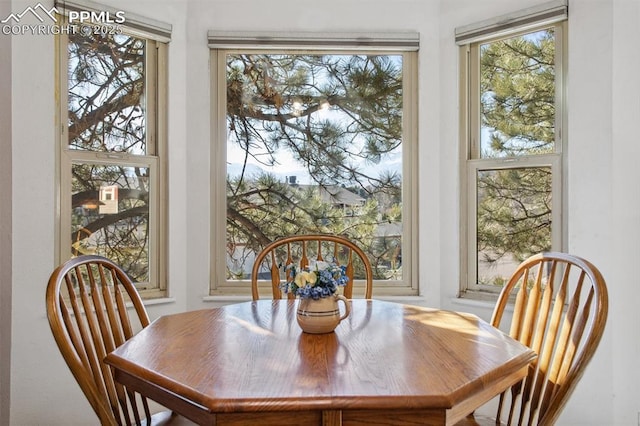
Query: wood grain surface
(386, 363)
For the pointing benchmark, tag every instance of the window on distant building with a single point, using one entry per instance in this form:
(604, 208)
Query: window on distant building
(512, 133)
(314, 135)
(112, 114)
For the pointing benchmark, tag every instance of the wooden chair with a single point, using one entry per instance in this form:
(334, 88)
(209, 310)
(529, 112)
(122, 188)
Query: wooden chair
(560, 311)
(297, 249)
(87, 300)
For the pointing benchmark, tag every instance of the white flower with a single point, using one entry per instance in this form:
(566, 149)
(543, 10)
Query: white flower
(319, 265)
(305, 277)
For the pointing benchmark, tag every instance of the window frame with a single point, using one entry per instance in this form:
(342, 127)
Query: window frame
(223, 43)
(156, 36)
(472, 163)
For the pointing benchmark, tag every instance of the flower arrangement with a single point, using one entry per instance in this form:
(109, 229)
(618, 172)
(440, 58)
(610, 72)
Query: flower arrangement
(320, 279)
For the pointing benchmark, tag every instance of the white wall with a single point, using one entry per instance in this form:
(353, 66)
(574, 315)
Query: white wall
(33, 161)
(5, 222)
(624, 215)
(590, 203)
(603, 201)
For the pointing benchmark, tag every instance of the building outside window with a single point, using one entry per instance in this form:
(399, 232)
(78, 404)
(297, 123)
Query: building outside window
(513, 118)
(319, 138)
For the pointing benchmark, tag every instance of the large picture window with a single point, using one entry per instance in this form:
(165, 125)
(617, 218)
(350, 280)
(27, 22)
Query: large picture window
(112, 109)
(513, 139)
(316, 142)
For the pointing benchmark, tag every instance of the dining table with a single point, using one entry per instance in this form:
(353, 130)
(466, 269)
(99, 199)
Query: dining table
(386, 363)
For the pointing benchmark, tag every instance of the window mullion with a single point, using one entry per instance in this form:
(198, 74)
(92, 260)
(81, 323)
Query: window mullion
(63, 164)
(151, 59)
(410, 168)
(473, 57)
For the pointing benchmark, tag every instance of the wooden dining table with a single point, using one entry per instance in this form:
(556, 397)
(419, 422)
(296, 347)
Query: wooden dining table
(385, 364)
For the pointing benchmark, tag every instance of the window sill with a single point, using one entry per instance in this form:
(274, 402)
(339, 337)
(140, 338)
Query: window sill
(159, 301)
(227, 298)
(408, 300)
(482, 302)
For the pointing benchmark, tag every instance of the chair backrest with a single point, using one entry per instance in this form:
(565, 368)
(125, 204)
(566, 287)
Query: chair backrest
(298, 249)
(560, 312)
(87, 300)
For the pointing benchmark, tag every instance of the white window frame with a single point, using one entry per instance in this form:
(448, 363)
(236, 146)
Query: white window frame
(222, 43)
(469, 38)
(157, 35)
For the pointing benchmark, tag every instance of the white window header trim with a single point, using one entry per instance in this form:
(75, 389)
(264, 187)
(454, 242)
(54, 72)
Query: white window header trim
(391, 41)
(546, 13)
(138, 25)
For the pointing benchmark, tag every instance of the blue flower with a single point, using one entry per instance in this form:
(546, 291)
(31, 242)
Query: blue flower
(322, 279)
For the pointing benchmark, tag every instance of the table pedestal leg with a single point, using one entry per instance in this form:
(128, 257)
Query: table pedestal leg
(332, 418)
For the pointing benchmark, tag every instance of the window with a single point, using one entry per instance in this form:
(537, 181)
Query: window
(314, 135)
(512, 136)
(113, 137)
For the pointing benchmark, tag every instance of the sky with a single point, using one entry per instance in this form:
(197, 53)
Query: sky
(288, 166)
